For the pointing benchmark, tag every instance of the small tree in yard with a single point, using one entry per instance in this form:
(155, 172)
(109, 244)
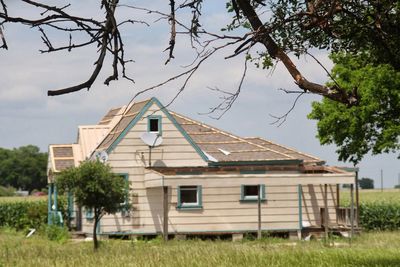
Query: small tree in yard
(95, 187)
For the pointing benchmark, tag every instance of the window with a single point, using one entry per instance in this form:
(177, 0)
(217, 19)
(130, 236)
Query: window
(189, 197)
(89, 214)
(250, 193)
(154, 124)
(125, 204)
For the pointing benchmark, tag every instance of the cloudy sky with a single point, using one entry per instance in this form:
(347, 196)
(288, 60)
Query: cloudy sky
(29, 116)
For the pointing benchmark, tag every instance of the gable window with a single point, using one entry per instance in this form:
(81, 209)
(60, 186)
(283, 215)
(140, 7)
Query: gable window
(154, 124)
(250, 193)
(189, 197)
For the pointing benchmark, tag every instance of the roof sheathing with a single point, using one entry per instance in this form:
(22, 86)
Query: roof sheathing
(289, 151)
(212, 140)
(127, 117)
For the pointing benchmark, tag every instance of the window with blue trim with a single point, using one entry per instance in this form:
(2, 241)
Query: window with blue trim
(154, 124)
(125, 204)
(89, 214)
(190, 197)
(250, 193)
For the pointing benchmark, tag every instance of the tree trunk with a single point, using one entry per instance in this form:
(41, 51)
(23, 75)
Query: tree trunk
(96, 221)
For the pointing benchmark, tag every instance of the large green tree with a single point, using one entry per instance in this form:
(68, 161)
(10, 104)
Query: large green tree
(23, 167)
(371, 126)
(94, 187)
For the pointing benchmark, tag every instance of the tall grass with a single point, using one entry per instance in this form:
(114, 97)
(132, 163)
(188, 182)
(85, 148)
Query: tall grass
(371, 249)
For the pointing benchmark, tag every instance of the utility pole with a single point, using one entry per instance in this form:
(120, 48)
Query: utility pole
(381, 180)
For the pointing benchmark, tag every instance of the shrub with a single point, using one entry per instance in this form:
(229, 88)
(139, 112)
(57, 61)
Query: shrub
(380, 215)
(7, 191)
(56, 233)
(22, 215)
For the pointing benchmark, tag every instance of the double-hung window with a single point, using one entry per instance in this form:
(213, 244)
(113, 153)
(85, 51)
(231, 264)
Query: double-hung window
(189, 197)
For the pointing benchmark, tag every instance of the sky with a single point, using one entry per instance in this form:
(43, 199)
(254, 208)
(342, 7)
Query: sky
(29, 116)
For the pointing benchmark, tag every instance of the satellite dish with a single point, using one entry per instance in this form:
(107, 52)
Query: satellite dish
(102, 156)
(151, 139)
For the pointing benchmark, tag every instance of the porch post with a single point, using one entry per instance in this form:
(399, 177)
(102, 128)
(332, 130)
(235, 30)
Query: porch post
(357, 200)
(326, 219)
(49, 202)
(352, 209)
(259, 211)
(337, 201)
(165, 211)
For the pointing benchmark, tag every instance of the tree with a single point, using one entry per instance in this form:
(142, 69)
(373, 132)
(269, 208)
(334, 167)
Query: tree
(371, 126)
(366, 183)
(293, 27)
(23, 167)
(94, 187)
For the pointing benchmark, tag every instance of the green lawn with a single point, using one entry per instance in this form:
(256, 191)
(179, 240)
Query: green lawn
(372, 195)
(370, 249)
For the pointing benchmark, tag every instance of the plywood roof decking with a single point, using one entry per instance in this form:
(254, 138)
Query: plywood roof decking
(226, 147)
(128, 115)
(63, 156)
(110, 115)
(289, 151)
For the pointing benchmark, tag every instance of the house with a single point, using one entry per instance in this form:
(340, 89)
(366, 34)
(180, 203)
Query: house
(198, 179)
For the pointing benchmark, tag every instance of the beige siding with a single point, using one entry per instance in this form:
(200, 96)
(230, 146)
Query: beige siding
(222, 209)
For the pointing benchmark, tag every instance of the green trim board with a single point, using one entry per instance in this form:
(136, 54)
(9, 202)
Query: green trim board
(199, 198)
(159, 123)
(70, 203)
(125, 204)
(243, 198)
(300, 192)
(49, 204)
(139, 116)
(89, 215)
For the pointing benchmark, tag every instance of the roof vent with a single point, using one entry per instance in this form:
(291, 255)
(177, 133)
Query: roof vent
(226, 153)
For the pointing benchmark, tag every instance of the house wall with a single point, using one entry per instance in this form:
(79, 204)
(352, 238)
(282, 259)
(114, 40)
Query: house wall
(222, 209)
(130, 157)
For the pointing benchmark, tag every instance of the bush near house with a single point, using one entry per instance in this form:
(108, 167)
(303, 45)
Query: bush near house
(380, 215)
(22, 215)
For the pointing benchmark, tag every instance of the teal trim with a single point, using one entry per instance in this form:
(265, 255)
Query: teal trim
(89, 215)
(125, 204)
(55, 197)
(299, 191)
(199, 194)
(159, 122)
(253, 171)
(152, 101)
(49, 204)
(130, 125)
(181, 130)
(244, 199)
(71, 211)
(261, 162)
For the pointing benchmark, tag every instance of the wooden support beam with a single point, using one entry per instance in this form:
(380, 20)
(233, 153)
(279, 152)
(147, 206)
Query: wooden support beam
(352, 209)
(165, 211)
(337, 201)
(357, 201)
(259, 212)
(326, 219)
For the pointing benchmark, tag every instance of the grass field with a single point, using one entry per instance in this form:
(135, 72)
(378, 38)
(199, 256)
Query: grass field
(370, 249)
(372, 195)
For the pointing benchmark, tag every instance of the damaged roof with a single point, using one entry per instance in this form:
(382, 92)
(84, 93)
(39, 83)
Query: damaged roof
(214, 145)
